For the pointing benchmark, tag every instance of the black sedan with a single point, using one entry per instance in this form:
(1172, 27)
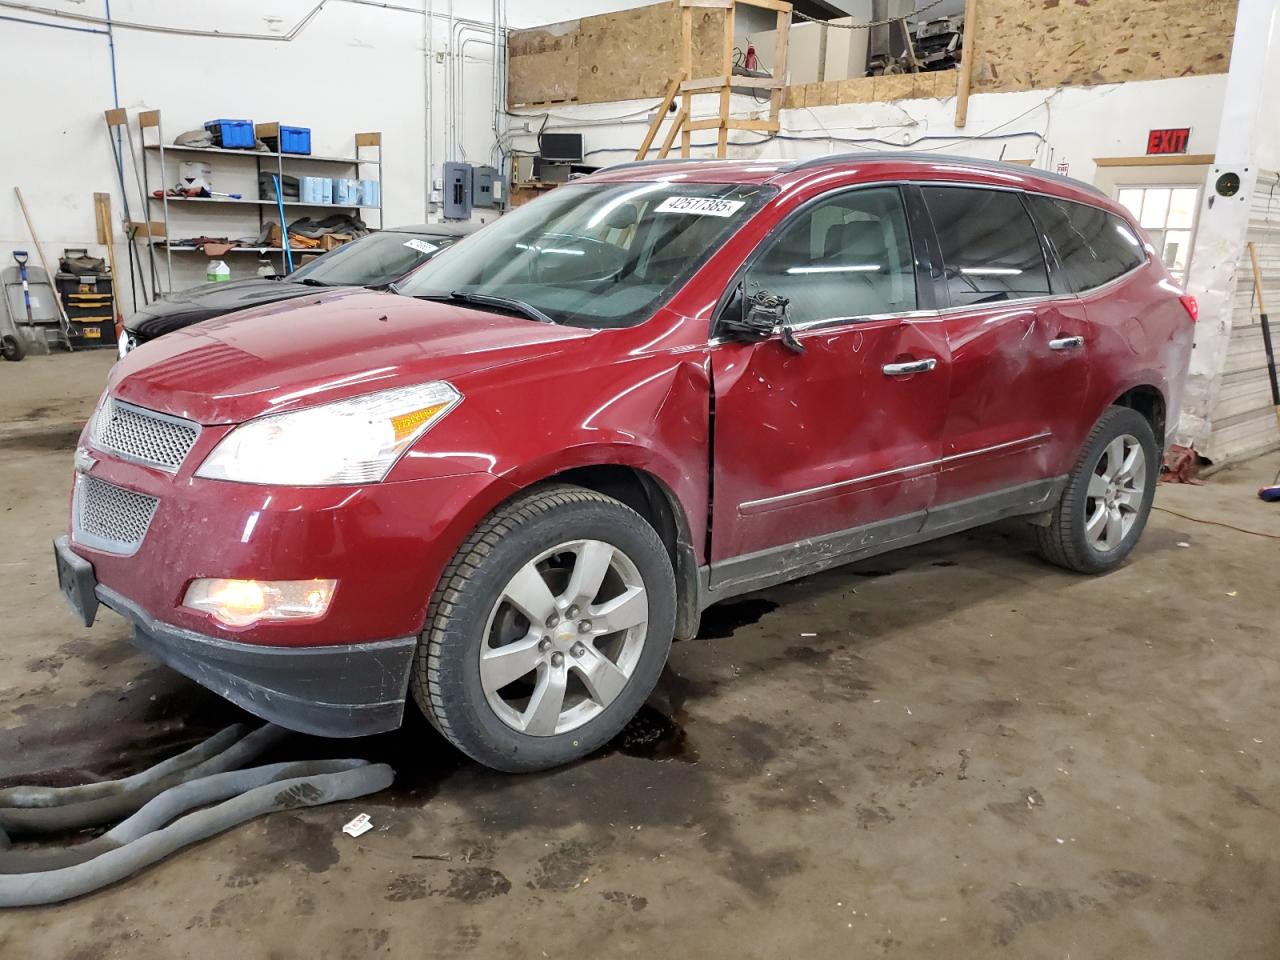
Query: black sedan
(375, 261)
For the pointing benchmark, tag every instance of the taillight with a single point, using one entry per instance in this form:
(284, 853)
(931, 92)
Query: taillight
(1190, 305)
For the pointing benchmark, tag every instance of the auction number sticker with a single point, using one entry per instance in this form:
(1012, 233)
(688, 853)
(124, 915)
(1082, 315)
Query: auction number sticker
(700, 205)
(421, 245)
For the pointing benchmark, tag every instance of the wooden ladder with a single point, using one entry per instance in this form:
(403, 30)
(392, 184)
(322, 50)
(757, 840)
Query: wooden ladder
(683, 123)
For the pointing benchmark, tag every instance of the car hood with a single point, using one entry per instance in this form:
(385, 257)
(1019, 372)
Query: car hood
(209, 300)
(334, 345)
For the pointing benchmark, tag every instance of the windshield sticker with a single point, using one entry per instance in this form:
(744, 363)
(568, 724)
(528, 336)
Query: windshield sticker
(700, 205)
(421, 245)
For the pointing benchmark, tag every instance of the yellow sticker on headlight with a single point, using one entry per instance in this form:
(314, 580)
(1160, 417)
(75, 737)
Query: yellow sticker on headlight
(406, 423)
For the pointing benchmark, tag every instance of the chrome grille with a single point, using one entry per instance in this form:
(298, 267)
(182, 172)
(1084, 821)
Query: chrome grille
(110, 518)
(155, 439)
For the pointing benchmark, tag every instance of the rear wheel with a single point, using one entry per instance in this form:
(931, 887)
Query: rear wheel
(548, 630)
(11, 348)
(1107, 499)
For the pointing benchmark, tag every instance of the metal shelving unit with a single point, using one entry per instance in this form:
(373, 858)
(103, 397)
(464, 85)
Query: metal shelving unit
(368, 153)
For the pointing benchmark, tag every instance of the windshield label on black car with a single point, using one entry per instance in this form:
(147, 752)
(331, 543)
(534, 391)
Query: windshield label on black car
(699, 205)
(421, 245)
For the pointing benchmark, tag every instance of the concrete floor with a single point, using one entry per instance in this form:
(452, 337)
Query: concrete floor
(955, 751)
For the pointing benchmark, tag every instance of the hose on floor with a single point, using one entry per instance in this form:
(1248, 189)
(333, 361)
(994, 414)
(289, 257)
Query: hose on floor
(36, 811)
(155, 797)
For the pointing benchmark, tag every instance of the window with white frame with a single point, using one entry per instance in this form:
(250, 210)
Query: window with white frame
(1168, 214)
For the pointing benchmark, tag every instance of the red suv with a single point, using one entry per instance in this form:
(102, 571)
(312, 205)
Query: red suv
(504, 487)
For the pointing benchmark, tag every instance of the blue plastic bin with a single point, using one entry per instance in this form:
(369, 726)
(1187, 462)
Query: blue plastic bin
(291, 140)
(232, 134)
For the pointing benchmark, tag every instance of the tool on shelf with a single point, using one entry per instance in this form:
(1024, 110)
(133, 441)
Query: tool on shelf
(188, 193)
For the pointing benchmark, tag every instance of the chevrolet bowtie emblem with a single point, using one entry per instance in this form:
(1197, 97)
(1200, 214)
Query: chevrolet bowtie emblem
(84, 462)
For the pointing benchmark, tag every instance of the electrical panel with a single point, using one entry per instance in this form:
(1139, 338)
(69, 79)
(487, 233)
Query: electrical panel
(457, 191)
(486, 187)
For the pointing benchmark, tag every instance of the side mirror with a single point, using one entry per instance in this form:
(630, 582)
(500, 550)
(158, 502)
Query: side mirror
(761, 315)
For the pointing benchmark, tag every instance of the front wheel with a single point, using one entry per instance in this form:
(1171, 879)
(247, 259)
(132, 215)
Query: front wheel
(1107, 499)
(548, 630)
(11, 348)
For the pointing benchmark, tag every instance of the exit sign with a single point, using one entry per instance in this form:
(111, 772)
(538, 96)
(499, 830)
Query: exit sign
(1168, 141)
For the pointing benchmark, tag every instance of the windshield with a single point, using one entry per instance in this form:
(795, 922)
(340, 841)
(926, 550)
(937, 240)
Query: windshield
(594, 254)
(372, 261)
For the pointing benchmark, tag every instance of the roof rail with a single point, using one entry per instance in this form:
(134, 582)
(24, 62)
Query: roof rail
(630, 164)
(886, 156)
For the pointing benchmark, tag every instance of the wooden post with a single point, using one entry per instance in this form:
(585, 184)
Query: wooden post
(686, 71)
(676, 126)
(722, 138)
(966, 62)
(779, 63)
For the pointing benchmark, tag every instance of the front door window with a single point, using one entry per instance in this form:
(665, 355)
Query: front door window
(842, 259)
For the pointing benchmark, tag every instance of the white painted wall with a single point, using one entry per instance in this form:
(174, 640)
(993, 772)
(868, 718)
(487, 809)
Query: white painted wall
(1071, 125)
(351, 67)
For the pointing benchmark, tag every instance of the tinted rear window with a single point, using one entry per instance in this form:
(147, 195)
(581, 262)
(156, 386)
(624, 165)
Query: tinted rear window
(990, 249)
(1094, 246)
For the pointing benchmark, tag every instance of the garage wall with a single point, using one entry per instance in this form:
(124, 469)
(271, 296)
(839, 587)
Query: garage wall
(63, 156)
(1069, 126)
(351, 66)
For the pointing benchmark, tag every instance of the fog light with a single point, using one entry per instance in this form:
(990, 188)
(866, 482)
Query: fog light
(238, 603)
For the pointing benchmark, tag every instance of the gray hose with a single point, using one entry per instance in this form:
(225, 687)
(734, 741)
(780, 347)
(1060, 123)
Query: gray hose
(57, 796)
(54, 886)
(105, 808)
(164, 808)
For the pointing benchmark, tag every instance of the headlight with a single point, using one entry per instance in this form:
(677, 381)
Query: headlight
(126, 343)
(348, 441)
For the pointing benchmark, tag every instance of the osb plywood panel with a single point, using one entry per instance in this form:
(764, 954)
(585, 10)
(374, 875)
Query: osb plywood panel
(1034, 44)
(1020, 44)
(544, 77)
(617, 56)
(906, 86)
(543, 64)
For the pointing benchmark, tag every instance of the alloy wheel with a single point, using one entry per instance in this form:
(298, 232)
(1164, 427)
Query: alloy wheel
(1114, 498)
(564, 637)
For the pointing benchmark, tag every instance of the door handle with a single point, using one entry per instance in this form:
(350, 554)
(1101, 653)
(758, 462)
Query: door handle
(1066, 343)
(909, 367)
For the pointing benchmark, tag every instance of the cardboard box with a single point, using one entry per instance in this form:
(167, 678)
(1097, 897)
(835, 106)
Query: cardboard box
(331, 241)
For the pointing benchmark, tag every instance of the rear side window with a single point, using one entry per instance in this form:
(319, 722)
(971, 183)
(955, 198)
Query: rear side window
(990, 249)
(1094, 246)
(844, 257)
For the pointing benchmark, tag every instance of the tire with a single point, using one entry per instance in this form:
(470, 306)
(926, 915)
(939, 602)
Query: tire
(11, 348)
(1078, 537)
(549, 531)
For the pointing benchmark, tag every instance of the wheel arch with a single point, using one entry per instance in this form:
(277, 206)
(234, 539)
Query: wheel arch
(1148, 400)
(641, 487)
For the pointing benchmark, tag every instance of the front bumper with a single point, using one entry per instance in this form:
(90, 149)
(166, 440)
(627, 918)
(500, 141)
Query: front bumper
(348, 690)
